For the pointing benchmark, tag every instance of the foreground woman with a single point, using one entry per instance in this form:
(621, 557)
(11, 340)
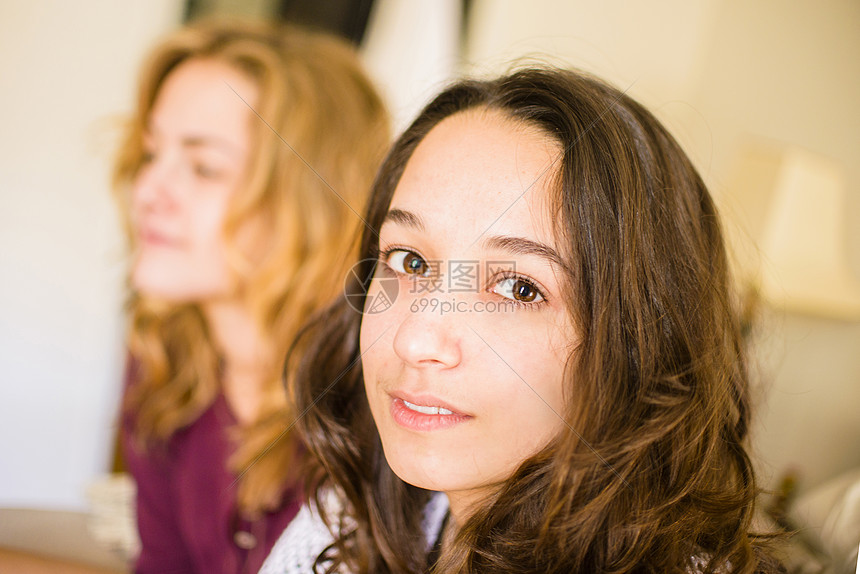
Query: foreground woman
(559, 384)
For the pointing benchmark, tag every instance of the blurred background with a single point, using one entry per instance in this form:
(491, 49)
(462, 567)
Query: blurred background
(764, 96)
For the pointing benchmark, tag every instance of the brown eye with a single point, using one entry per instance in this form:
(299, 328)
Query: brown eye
(519, 290)
(524, 291)
(415, 265)
(407, 262)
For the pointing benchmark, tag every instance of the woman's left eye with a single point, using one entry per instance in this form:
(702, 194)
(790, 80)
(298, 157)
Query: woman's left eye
(206, 171)
(519, 290)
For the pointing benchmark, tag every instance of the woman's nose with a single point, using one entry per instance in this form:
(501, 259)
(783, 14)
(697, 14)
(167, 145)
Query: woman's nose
(428, 338)
(155, 184)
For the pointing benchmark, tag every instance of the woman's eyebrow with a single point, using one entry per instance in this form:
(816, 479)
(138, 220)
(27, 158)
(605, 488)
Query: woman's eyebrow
(511, 244)
(212, 142)
(521, 246)
(403, 217)
(193, 141)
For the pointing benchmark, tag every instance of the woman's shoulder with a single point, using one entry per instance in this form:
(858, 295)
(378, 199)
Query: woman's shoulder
(307, 536)
(303, 540)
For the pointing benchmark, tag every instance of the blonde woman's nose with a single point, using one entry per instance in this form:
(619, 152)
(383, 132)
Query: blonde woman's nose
(157, 183)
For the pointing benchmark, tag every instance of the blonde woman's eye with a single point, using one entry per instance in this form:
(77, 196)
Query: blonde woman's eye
(408, 262)
(518, 290)
(206, 171)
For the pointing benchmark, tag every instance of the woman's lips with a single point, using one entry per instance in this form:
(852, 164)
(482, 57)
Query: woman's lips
(424, 413)
(151, 237)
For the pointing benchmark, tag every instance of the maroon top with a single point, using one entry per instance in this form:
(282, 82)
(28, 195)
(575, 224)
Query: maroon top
(186, 503)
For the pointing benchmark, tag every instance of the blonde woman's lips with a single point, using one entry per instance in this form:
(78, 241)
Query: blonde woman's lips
(152, 237)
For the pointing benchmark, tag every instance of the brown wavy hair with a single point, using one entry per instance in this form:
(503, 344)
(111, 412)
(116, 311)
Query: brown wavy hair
(656, 478)
(315, 96)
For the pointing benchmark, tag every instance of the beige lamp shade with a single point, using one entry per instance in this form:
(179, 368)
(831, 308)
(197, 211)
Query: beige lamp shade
(799, 199)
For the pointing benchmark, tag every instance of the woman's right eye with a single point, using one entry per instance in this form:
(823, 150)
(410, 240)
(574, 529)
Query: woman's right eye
(407, 262)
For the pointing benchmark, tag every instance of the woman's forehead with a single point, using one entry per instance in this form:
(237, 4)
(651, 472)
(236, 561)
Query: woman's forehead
(482, 169)
(203, 97)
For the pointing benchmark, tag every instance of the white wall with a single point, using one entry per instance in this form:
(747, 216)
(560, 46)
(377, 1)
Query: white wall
(411, 50)
(633, 44)
(66, 69)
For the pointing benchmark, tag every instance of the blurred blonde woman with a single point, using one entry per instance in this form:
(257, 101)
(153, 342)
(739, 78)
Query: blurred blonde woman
(240, 178)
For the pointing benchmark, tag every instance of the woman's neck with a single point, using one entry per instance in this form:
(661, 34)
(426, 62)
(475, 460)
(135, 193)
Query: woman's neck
(246, 357)
(462, 504)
